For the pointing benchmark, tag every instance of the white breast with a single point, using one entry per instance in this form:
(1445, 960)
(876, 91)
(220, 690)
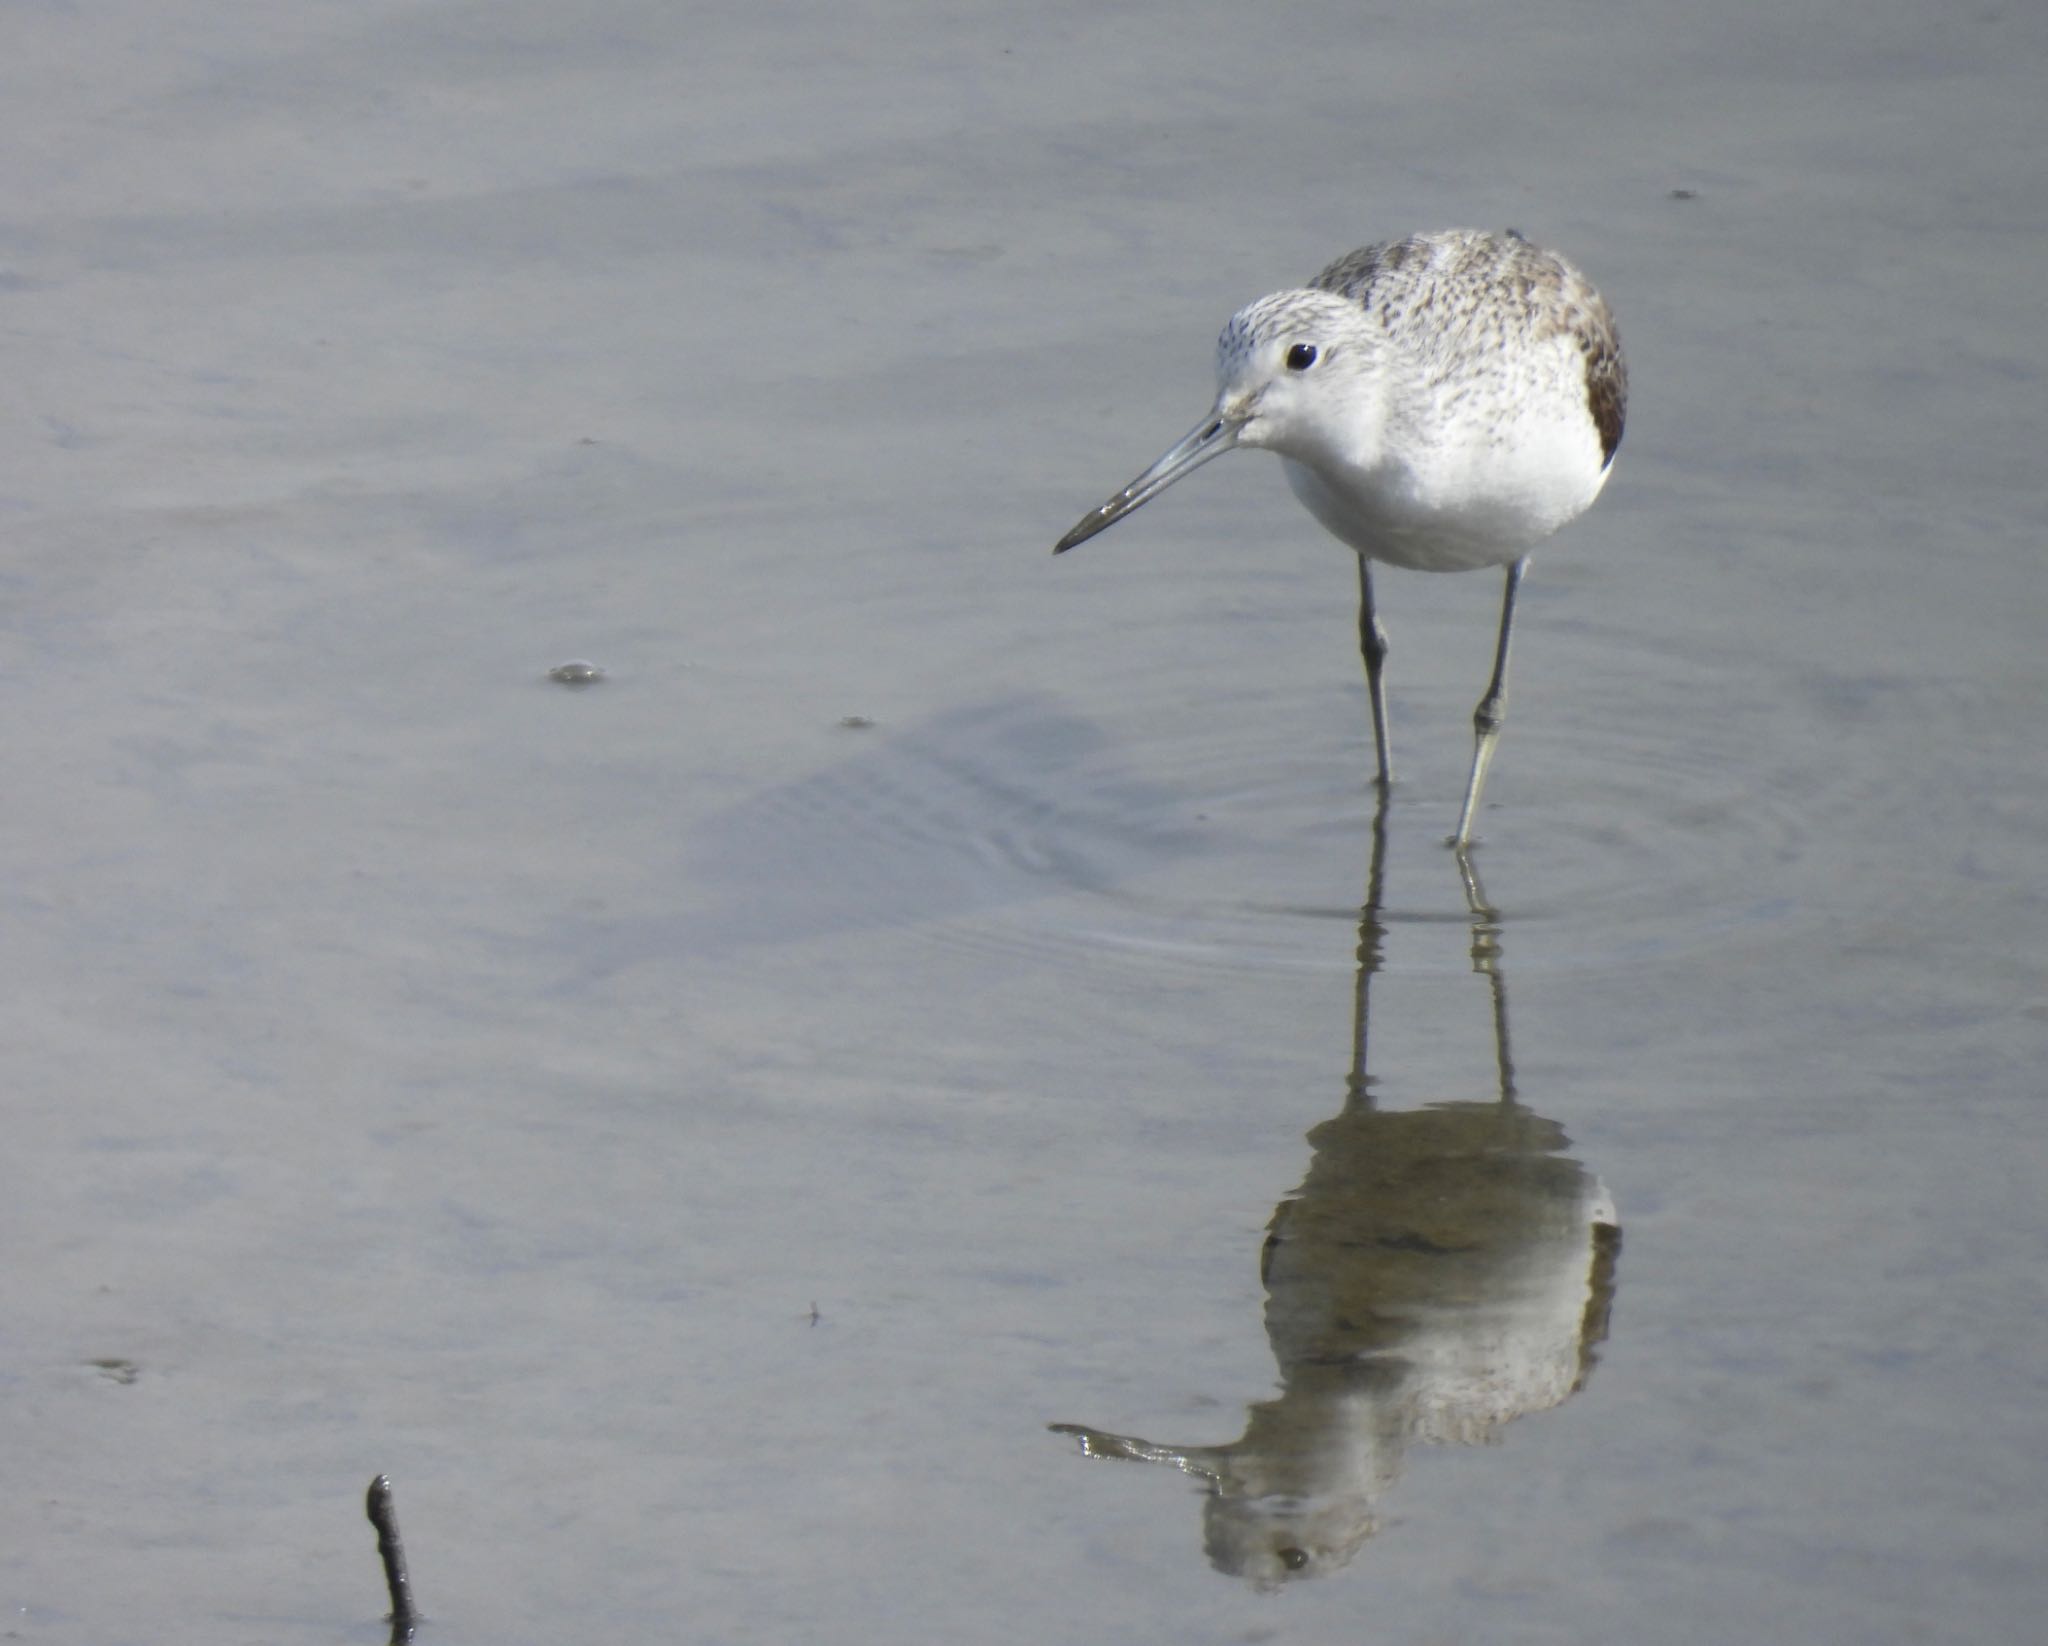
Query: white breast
(1441, 502)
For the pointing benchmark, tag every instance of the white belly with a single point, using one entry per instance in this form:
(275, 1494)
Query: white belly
(1453, 518)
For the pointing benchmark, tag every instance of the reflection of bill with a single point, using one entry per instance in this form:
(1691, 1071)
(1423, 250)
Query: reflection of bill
(1439, 1272)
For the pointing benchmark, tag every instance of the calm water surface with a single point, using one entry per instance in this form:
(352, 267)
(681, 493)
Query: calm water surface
(701, 1147)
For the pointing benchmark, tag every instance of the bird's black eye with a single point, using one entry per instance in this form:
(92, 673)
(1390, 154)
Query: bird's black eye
(1301, 357)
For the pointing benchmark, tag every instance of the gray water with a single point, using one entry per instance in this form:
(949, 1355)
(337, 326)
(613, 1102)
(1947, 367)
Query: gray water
(698, 1146)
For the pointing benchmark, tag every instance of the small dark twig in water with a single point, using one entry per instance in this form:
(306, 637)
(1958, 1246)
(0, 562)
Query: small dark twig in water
(378, 1506)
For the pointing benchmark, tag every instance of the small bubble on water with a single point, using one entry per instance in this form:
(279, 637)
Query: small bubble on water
(576, 674)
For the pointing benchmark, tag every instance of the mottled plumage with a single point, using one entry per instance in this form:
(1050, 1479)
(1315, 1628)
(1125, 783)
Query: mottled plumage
(1443, 403)
(1479, 295)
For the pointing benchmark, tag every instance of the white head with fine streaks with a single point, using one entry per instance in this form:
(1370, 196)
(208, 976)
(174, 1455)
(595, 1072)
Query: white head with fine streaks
(1305, 374)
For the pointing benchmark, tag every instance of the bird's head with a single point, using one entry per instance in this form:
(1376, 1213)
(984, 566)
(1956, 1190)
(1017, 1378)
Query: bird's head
(1296, 373)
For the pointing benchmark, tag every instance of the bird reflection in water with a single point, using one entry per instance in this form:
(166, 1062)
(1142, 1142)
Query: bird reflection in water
(1439, 1272)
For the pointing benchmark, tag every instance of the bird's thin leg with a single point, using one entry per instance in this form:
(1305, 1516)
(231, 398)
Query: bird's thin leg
(1372, 646)
(1493, 707)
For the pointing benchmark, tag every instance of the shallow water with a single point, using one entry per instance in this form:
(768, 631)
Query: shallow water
(699, 1145)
